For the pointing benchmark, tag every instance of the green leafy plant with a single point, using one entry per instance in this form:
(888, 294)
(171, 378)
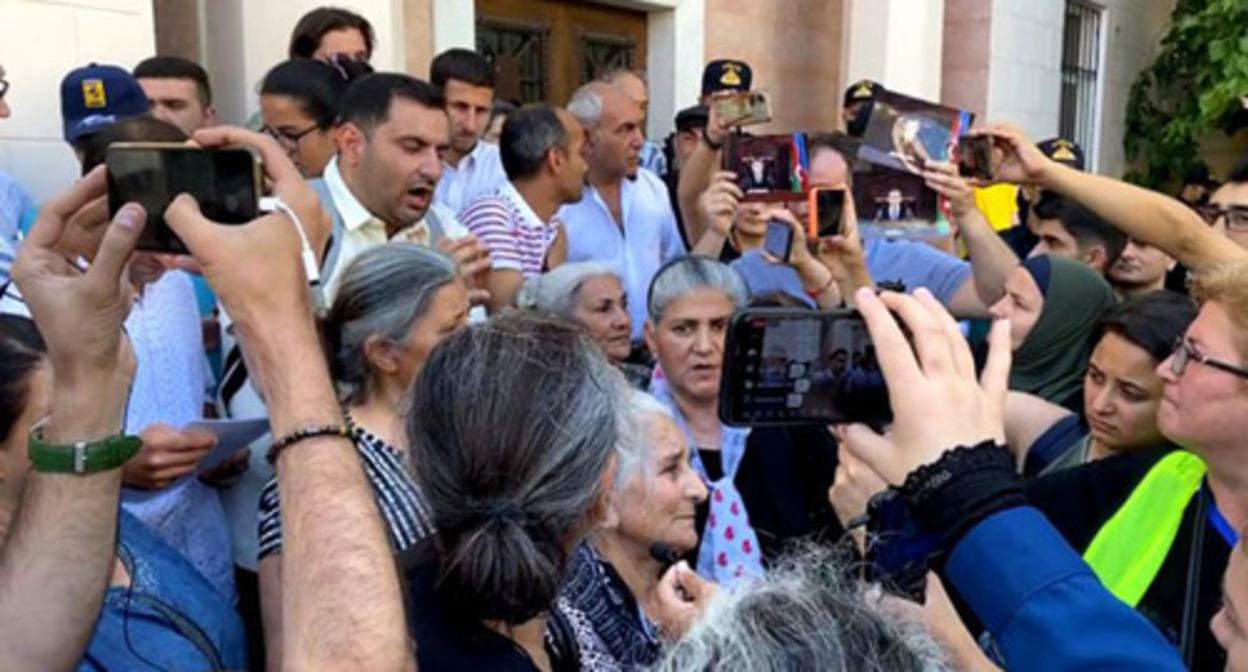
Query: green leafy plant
(1195, 87)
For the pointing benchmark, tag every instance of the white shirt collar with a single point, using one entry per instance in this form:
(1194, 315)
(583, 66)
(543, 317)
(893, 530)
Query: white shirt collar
(353, 213)
(509, 192)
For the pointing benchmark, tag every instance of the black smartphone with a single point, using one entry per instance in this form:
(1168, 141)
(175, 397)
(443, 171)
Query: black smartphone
(975, 157)
(792, 366)
(225, 182)
(826, 206)
(778, 239)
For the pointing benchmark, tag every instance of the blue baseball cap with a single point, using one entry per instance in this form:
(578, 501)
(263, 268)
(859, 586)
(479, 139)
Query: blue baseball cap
(98, 96)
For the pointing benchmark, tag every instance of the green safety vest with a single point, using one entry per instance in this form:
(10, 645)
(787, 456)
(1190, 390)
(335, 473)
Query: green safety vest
(1129, 550)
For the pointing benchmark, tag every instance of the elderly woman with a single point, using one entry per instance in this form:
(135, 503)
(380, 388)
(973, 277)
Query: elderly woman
(768, 485)
(612, 584)
(396, 302)
(592, 296)
(513, 427)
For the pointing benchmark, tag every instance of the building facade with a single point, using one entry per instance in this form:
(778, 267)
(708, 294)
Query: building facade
(1049, 65)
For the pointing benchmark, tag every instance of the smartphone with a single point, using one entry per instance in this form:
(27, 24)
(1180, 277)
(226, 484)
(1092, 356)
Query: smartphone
(778, 239)
(975, 157)
(826, 207)
(225, 182)
(742, 108)
(792, 366)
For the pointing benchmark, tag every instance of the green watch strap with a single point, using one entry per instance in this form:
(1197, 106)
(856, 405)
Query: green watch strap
(82, 457)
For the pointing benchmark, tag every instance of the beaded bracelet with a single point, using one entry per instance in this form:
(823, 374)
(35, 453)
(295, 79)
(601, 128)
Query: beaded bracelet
(303, 433)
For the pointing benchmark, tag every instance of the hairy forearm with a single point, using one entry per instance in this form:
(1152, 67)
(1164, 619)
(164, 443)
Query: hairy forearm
(711, 244)
(56, 563)
(1146, 216)
(991, 257)
(341, 606)
(695, 177)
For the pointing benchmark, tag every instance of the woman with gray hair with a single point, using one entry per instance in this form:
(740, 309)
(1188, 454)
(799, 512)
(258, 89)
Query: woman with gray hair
(768, 485)
(807, 614)
(513, 427)
(591, 295)
(394, 304)
(611, 594)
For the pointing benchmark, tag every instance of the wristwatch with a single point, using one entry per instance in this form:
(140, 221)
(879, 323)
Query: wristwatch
(80, 457)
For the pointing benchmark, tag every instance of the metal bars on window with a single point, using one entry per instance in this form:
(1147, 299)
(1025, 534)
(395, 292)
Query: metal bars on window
(1081, 62)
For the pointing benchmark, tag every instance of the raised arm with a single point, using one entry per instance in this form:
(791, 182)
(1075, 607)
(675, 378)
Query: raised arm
(1142, 214)
(341, 601)
(696, 175)
(56, 563)
(991, 258)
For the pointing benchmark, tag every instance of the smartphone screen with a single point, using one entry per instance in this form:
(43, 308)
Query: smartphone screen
(827, 207)
(975, 157)
(787, 366)
(778, 239)
(224, 181)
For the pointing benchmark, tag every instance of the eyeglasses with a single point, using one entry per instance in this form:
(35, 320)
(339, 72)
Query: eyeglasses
(1184, 352)
(287, 139)
(1236, 215)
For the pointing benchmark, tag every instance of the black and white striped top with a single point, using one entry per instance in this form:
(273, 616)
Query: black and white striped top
(402, 505)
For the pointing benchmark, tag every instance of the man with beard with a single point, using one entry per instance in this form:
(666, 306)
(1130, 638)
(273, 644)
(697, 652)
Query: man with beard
(470, 168)
(625, 219)
(541, 148)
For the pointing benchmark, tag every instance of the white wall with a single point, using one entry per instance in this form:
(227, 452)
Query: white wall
(897, 43)
(1133, 33)
(248, 37)
(41, 41)
(1025, 68)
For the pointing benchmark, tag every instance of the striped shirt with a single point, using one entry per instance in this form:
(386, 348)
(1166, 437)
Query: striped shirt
(516, 238)
(402, 506)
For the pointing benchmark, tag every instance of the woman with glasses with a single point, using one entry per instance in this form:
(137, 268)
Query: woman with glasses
(299, 105)
(1158, 526)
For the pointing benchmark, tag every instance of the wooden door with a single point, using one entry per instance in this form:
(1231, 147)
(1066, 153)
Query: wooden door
(545, 49)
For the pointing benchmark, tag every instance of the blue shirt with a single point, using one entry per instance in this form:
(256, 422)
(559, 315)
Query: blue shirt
(1043, 605)
(17, 211)
(915, 265)
(763, 277)
(649, 237)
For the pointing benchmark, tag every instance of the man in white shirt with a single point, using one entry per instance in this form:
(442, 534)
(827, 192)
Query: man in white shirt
(542, 151)
(471, 168)
(625, 219)
(380, 185)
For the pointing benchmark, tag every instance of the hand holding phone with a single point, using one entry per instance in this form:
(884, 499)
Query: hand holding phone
(778, 240)
(742, 108)
(975, 157)
(224, 182)
(826, 209)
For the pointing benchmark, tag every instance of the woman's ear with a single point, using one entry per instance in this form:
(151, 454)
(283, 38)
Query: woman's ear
(648, 332)
(381, 355)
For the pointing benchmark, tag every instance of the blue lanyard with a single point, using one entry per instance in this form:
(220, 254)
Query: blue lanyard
(1229, 535)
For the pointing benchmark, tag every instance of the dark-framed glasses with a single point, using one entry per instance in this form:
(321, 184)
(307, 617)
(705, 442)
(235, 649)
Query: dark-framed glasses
(287, 139)
(1236, 215)
(1184, 353)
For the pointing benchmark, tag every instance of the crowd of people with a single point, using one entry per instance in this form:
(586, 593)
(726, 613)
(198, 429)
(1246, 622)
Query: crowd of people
(494, 431)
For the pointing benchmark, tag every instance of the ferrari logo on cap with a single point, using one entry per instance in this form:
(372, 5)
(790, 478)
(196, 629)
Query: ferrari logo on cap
(863, 89)
(732, 75)
(93, 96)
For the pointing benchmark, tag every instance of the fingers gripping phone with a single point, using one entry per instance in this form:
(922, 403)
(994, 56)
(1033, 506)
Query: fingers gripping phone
(826, 209)
(225, 182)
(778, 239)
(742, 108)
(975, 157)
(791, 366)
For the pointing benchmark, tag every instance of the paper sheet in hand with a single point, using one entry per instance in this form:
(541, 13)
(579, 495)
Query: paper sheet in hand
(231, 436)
